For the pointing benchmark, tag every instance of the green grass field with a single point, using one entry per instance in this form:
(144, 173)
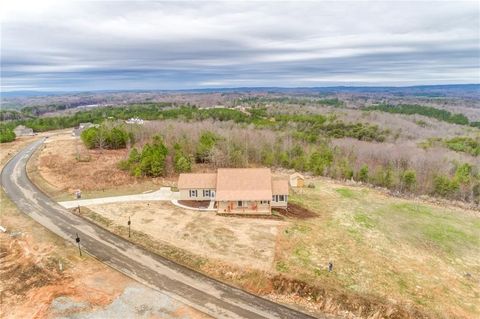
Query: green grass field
(411, 252)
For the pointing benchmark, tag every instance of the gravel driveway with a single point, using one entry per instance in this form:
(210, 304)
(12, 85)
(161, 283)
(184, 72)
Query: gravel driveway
(164, 193)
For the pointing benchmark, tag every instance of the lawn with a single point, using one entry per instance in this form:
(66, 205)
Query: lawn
(414, 253)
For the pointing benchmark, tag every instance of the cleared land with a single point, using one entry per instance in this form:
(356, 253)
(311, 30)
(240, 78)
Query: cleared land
(392, 257)
(65, 165)
(239, 241)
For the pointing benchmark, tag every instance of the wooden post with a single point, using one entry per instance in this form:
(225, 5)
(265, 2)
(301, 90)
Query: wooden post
(78, 242)
(129, 222)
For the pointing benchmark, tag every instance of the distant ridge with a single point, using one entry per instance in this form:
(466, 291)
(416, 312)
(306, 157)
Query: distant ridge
(436, 90)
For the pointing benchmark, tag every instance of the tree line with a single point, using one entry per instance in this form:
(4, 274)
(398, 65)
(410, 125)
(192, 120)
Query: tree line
(176, 150)
(428, 111)
(310, 127)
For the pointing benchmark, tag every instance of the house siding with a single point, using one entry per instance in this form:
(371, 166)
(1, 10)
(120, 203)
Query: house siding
(185, 194)
(276, 202)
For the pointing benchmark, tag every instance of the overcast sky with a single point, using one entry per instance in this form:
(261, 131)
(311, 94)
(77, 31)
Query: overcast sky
(97, 45)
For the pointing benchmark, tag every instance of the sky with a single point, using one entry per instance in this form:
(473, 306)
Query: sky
(148, 45)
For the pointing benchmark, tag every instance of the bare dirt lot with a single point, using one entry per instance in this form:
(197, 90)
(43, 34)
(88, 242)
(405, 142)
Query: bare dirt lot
(195, 203)
(239, 241)
(296, 211)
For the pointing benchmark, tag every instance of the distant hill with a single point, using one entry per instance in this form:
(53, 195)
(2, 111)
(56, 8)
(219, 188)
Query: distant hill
(465, 90)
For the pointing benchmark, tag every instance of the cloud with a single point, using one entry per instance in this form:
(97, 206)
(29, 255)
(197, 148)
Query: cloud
(81, 45)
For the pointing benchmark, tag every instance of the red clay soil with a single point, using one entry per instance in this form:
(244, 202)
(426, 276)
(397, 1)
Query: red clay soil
(335, 301)
(195, 203)
(295, 211)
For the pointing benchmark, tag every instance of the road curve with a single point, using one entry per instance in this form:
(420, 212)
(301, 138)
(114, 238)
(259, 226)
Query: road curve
(192, 288)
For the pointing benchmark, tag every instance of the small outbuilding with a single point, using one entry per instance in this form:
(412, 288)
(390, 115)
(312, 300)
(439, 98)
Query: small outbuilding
(297, 180)
(22, 130)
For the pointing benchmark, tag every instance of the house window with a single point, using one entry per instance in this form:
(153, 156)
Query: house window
(193, 193)
(239, 203)
(206, 193)
(274, 198)
(282, 198)
(264, 202)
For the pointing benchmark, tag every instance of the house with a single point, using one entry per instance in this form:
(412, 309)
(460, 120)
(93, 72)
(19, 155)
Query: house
(135, 120)
(81, 127)
(297, 180)
(22, 130)
(236, 190)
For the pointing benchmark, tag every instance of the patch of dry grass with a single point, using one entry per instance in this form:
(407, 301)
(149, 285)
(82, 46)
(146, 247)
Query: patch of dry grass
(245, 242)
(59, 170)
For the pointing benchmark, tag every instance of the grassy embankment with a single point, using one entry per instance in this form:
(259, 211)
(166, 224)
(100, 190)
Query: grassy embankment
(408, 251)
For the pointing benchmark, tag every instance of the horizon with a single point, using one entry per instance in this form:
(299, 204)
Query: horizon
(249, 88)
(166, 46)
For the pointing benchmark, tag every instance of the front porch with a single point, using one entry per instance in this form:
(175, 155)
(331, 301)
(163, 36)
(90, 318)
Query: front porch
(244, 207)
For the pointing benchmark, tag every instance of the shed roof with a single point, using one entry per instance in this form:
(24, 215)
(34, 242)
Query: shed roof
(296, 174)
(206, 180)
(244, 184)
(279, 186)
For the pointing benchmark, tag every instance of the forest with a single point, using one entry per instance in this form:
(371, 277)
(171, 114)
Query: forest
(400, 150)
(172, 146)
(439, 114)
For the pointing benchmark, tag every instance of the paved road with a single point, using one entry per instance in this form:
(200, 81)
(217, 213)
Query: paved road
(194, 289)
(164, 193)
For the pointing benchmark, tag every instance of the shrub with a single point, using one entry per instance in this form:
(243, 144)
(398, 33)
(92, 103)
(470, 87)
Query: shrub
(181, 161)
(464, 144)
(6, 135)
(409, 179)
(89, 137)
(363, 173)
(182, 164)
(320, 160)
(205, 145)
(103, 137)
(444, 186)
(149, 162)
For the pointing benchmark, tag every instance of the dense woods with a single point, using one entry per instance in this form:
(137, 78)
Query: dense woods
(441, 115)
(229, 144)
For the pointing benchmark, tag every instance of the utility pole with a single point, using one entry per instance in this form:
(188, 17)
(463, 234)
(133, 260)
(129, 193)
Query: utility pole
(78, 242)
(129, 222)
